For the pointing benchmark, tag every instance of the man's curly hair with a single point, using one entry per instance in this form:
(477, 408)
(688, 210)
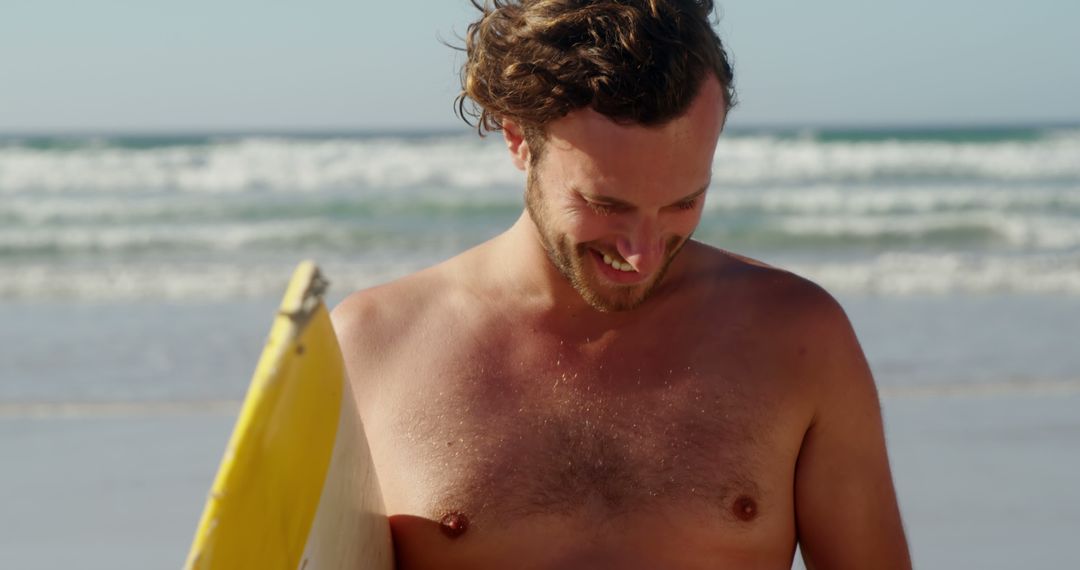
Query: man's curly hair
(634, 61)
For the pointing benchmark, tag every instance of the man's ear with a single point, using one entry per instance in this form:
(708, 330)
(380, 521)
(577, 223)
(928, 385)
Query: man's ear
(514, 136)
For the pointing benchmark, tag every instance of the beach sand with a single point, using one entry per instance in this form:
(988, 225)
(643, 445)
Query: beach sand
(985, 481)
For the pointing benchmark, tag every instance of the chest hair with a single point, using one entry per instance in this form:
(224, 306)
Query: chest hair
(558, 444)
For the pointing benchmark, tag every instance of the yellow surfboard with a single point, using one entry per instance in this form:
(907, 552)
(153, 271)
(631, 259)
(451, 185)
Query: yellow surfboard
(296, 489)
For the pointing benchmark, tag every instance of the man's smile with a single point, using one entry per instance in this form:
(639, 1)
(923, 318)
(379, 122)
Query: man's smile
(615, 269)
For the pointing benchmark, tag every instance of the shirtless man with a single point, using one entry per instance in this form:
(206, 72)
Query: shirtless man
(592, 388)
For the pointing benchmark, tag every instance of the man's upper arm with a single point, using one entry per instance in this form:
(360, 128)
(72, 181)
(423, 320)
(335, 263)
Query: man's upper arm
(846, 508)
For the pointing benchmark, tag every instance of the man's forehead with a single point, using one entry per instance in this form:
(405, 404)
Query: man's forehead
(702, 121)
(616, 163)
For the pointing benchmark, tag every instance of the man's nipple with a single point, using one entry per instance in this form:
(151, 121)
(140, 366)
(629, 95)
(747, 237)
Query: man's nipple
(454, 525)
(745, 508)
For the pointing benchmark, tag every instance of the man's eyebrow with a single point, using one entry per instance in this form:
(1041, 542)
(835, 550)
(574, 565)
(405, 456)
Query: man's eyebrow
(694, 195)
(617, 202)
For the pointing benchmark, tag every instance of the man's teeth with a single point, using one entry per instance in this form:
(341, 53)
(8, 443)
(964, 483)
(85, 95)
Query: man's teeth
(617, 264)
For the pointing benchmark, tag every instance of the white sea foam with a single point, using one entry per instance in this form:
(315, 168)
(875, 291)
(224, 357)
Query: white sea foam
(223, 219)
(1010, 211)
(948, 273)
(770, 160)
(980, 228)
(894, 198)
(1017, 231)
(890, 274)
(260, 164)
(110, 238)
(179, 281)
(308, 165)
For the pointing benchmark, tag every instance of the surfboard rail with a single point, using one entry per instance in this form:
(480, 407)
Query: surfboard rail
(296, 487)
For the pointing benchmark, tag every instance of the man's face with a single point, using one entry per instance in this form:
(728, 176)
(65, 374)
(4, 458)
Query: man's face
(614, 204)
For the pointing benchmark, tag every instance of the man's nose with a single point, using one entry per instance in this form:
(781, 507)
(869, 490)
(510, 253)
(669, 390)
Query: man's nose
(643, 248)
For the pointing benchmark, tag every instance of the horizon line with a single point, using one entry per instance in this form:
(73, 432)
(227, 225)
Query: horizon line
(316, 130)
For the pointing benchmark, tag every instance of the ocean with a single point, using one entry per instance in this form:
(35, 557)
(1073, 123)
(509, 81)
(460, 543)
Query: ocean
(956, 251)
(139, 275)
(220, 217)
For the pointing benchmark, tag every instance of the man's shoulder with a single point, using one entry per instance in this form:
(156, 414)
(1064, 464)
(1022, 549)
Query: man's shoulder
(790, 312)
(767, 289)
(379, 308)
(375, 319)
(801, 329)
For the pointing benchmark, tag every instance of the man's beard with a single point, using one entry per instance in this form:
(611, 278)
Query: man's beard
(570, 259)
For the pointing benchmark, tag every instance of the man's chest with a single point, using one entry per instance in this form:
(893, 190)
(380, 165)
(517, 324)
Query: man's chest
(506, 441)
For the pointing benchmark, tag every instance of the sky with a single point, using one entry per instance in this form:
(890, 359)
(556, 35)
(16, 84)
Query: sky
(229, 65)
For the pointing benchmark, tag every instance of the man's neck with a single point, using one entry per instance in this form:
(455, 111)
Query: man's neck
(520, 264)
(523, 263)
